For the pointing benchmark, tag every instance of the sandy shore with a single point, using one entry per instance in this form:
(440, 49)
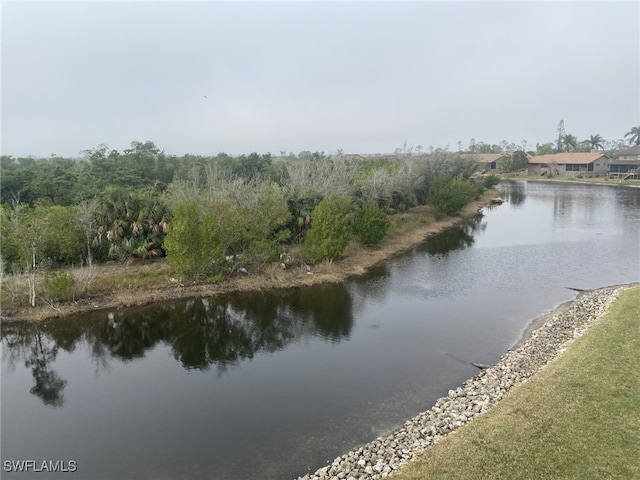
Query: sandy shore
(416, 227)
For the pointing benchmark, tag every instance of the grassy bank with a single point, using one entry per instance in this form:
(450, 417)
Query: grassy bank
(579, 418)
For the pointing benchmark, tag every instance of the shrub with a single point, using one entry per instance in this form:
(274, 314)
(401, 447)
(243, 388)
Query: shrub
(58, 286)
(263, 229)
(183, 243)
(490, 181)
(330, 232)
(200, 237)
(448, 196)
(370, 224)
(83, 277)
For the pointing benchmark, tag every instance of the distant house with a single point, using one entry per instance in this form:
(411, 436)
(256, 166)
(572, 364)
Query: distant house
(574, 164)
(631, 153)
(627, 165)
(489, 162)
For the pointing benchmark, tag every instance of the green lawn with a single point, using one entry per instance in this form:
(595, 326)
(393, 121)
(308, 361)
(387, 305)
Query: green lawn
(579, 418)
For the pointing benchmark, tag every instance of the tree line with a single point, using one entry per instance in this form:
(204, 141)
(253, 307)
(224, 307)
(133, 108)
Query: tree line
(566, 142)
(207, 213)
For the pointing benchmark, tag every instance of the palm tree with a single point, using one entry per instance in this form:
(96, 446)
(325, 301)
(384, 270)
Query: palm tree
(130, 223)
(634, 136)
(595, 142)
(570, 142)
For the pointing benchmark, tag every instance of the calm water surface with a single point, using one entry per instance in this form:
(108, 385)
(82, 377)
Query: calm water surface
(273, 385)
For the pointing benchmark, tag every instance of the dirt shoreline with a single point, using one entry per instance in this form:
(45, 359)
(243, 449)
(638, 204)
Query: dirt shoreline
(356, 261)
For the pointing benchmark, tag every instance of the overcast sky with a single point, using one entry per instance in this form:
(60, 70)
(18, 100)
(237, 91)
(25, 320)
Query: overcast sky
(321, 76)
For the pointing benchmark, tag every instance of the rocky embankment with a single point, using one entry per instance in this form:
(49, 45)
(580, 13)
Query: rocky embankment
(383, 456)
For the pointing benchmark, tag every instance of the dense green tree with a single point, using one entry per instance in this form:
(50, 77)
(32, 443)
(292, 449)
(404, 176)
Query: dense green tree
(62, 239)
(141, 165)
(12, 179)
(330, 232)
(187, 251)
(448, 196)
(520, 159)
(507, 164)
(544, 148)
(28, 179)
(251, 232)
(12, 219)
(138, 164)
(490, 181)
(370, 224)
(252, 166)
(49, 233)
(482, 147)
(514, 162)
(265, 228)
(201, 238)
(101, 167)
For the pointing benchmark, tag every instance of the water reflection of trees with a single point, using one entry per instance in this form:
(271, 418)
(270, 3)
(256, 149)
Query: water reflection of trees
(454, 238)
(375, 284)
(378, 282)
(204, 332)
(329, 310)
(628, 200)
(48, 384)
(200, 332)
(512, 192)
(562, 204)
(223, 331)
(38, 351)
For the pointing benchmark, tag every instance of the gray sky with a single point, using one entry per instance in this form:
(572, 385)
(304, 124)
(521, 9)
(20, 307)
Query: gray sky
(291, 76)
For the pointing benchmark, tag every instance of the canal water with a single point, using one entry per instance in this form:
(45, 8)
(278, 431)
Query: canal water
(273, 385)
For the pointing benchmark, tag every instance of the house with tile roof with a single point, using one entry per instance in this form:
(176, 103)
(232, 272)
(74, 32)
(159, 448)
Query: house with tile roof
(627, 165)
(572, 164)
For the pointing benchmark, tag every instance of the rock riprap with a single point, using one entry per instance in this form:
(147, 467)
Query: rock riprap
(381, 457)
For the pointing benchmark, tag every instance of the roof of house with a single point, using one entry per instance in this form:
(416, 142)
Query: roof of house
(485, 157)
(572, 158)
(634, 150)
